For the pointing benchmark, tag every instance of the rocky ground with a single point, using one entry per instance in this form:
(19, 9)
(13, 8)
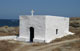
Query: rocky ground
(66, 43)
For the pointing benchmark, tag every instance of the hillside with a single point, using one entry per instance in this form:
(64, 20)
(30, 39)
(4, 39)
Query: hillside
(8, 31)
(75, 25)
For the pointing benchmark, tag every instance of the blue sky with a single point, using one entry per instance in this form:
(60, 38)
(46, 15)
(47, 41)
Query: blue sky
(11, 9)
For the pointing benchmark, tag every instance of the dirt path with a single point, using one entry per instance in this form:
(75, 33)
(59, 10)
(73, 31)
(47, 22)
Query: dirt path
(47, 47)
(21, 46)
(17, 49)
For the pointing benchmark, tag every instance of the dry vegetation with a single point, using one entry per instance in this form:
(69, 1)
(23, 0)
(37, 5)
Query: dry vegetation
(73, 46)
(6, 31)
(6, 46)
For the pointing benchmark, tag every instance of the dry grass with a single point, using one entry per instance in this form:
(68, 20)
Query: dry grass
(6, 46)
(73, 46)
(6, 31)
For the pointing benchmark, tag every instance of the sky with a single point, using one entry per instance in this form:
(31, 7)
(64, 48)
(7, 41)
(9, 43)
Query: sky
(12, 9)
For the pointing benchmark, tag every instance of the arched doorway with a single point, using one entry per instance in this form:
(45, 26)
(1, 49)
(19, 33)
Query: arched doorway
(31, 34)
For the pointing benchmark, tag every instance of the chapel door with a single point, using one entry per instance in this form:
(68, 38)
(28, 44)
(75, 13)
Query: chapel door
(31, 34)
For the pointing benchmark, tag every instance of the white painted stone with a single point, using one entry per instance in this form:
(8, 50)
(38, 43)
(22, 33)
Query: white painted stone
(44, 27)
(8, 37)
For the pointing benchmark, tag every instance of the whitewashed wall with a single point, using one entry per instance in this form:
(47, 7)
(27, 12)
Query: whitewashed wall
(53, 23)
(37, 22)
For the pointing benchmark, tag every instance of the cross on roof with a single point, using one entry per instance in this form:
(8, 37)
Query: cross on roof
(32, 12)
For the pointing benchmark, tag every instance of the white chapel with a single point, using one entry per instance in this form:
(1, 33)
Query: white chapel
(42, 28)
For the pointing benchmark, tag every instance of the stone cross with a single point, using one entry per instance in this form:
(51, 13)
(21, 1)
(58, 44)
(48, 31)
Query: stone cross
(32, 12)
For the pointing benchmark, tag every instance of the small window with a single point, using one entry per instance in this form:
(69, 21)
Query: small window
(56, 31)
